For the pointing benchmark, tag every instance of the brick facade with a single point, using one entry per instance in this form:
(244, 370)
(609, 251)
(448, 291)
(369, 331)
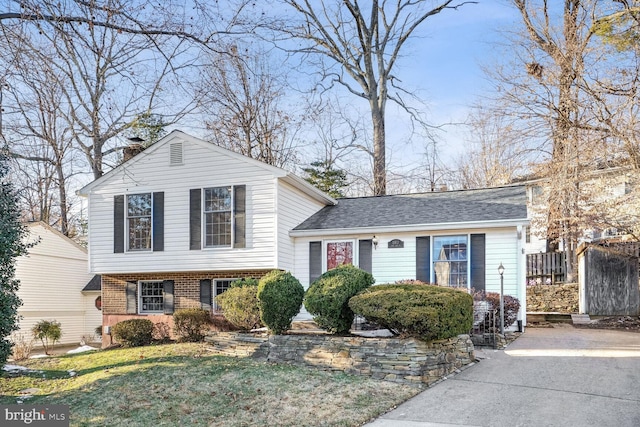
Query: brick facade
(186, 293)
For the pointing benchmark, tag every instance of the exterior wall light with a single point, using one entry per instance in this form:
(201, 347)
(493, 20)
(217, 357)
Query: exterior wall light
(375, 242)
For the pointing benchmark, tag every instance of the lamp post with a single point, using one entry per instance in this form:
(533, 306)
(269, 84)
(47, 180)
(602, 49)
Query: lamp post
(501, 271)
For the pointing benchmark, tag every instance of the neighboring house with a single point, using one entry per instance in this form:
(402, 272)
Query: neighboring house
(172, 227)
(608, 201)
(53, 277)
(453, 238)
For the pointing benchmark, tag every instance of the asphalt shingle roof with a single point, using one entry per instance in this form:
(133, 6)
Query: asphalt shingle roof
(95, 284)
(488, 204)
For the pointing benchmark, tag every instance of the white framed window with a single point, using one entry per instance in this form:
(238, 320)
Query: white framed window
(220, 286)
(139, 222)
(217, 214)
(150, 296)
(451, 261)
(339, 252)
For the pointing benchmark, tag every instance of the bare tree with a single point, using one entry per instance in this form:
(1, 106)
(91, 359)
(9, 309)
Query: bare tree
(243, 97)
(359, 49)
(116, 59)
(496, 153)
(41, 141)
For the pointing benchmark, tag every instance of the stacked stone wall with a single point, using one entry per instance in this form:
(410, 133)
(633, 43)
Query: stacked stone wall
(393, 359)
(553, 298)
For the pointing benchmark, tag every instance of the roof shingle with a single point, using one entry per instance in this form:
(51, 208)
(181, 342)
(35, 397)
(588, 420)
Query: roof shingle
(488, 204)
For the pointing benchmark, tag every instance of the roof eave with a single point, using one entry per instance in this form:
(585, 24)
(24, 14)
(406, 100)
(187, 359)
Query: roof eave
(410, 228)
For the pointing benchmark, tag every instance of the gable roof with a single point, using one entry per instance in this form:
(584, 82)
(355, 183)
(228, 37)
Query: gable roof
(450, 209)
(281, 174)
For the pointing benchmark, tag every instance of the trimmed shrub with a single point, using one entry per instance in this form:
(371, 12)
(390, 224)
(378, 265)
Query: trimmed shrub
(511, 306)
(247, 281)
(427, 312)
(327, 299)
(133, 332)
(191, 324)
(280, 295)
(48, 332)
(240, 305)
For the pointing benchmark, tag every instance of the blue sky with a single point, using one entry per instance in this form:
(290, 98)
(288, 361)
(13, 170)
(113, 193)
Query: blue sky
(443, 65)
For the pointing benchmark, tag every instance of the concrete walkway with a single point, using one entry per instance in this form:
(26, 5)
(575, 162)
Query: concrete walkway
(561, 376)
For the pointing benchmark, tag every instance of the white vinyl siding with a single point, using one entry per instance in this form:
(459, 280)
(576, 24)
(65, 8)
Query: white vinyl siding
(390, 265)
(51, 278)
(267, 227)
(293, 208)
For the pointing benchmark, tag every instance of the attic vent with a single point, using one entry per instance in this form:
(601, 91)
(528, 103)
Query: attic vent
(175, 153)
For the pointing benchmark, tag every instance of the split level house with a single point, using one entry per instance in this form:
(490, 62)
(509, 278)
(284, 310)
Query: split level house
(55, 286)
(174, 226)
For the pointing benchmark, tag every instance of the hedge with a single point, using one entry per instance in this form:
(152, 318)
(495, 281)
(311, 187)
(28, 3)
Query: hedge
(427, 312)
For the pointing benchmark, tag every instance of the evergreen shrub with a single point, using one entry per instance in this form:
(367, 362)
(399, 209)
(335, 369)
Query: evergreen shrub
(427, 312)
(327, 299)
(240, 304)
(280, 295)
(133, 332)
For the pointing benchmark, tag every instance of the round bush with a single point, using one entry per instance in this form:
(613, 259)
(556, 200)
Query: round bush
(240, 305)
(133, 332)
(191, 324)
(280, 295)
(427, 312)
(327, 299)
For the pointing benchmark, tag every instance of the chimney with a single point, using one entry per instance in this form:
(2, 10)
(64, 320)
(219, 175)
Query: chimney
(132, 149)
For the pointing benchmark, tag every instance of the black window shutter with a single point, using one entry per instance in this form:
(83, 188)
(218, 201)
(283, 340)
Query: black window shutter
(118, 224)
(365, 252)
(478, 262)
(195, 221)
(205, 294)
(423, 259)
(132, 290)
(158, 222)
(167, 290)
(239, 216)
(315, 261)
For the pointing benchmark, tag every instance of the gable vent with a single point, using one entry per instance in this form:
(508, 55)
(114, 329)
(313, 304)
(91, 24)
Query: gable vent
(175, 153)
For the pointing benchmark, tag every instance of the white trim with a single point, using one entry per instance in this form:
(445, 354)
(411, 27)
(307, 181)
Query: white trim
(354, 251)
(139, 292)
(410, 228)
(126, 225)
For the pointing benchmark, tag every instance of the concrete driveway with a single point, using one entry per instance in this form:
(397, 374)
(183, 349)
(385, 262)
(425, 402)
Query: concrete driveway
(561, 376)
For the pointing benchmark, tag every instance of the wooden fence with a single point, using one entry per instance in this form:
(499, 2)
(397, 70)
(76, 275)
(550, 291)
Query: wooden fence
(546, 268)
(610, 284)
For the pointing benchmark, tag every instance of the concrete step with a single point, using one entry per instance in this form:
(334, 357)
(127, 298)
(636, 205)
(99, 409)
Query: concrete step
(580, 319)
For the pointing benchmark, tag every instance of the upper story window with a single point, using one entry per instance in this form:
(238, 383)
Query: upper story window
(450, 260)
(217, 217)
(139, 222)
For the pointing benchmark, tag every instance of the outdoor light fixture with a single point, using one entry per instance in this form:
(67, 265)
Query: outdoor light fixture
(375, 242)
(501, 272)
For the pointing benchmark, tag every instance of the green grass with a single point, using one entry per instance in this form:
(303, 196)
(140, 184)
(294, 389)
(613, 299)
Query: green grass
(185, 384)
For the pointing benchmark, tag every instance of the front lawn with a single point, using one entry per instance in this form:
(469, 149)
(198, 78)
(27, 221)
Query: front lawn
(184, 384)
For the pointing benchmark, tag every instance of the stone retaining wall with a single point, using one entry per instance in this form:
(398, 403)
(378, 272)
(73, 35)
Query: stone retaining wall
(553, 298)
(392, 359)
